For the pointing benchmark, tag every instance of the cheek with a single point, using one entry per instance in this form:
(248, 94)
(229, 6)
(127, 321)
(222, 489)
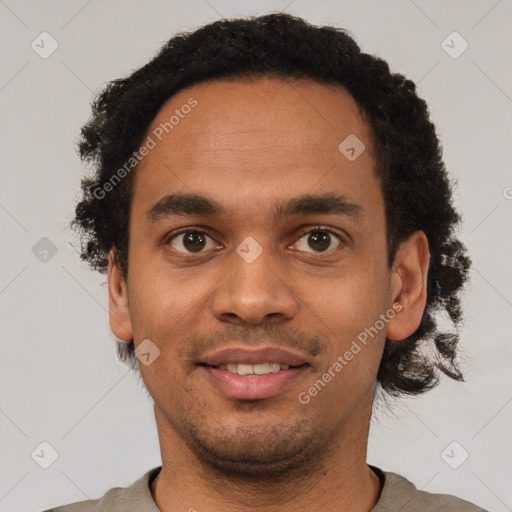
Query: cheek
(351, 368)
(165, 302)
(349, 307)
(351, 301)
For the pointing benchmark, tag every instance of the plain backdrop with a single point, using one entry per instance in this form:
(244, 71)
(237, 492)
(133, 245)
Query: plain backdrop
(60, 381)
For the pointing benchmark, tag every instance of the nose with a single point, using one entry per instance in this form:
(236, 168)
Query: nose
(253, 292)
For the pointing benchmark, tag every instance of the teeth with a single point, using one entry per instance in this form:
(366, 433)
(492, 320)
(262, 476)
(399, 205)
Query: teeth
(245, 369)
(261, 369)
(274, 367)
(253, 369)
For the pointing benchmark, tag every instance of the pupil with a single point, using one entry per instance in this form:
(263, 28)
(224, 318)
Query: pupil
(195, 240)
(321, 238)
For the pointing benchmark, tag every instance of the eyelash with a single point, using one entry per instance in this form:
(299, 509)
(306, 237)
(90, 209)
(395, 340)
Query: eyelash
(304, 232)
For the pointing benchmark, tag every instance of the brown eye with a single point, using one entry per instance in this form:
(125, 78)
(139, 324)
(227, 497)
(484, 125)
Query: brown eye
(190, 241)
(319, 240)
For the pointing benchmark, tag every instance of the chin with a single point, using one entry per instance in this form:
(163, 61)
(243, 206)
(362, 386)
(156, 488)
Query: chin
(256, 453)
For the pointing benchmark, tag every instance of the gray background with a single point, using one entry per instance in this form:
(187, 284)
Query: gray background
(60, 380)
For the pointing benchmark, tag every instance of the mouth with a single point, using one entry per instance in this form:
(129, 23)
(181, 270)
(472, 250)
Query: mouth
(246, 384)
(254, 369)
(249, 373)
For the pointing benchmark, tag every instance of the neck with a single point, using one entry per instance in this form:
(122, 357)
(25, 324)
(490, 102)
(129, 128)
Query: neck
(341, 481)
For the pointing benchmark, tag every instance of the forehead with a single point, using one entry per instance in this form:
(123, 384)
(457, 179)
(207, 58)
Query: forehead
(302, 113)
(257, 138)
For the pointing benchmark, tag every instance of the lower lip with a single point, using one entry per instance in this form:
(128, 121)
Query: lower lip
(254, 387)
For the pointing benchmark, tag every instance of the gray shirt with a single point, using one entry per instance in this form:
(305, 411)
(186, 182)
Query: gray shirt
(397, 494)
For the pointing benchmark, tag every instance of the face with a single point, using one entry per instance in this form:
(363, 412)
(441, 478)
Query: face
(253, 240)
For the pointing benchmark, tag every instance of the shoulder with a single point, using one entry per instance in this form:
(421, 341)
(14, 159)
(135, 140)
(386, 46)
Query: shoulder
(398, 493)
(112, 500)
(137, 496)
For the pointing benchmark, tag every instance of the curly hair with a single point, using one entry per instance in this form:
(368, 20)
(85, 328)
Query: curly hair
(415, 186)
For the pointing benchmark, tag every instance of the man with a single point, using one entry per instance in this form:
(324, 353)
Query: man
(276, 220)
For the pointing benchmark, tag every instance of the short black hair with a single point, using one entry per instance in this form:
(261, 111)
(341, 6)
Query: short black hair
(415, 186)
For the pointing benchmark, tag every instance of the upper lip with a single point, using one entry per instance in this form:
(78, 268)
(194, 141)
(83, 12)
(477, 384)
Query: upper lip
(245, 355)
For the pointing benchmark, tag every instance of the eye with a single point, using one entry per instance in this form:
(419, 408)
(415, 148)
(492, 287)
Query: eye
(193, 241)
(319, 239)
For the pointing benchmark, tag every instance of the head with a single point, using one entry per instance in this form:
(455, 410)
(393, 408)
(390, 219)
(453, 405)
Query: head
(265, 132)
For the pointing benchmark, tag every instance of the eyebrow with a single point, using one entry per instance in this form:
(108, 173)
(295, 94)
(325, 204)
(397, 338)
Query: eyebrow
(174, 205)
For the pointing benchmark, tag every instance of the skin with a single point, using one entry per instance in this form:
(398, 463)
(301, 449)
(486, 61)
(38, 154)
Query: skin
(248, 144)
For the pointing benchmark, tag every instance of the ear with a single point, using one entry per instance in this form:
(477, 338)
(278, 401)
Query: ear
(118, 311)
(409, 285)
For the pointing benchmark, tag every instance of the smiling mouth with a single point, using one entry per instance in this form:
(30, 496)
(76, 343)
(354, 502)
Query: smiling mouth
(254, 369)
(244, 381)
